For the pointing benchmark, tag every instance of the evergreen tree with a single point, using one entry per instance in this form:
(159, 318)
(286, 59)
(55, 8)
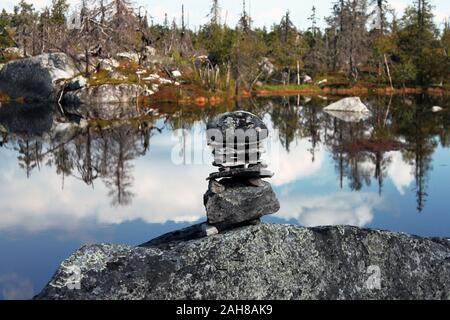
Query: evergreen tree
(417, 37)
(58, 11)
(5, 37)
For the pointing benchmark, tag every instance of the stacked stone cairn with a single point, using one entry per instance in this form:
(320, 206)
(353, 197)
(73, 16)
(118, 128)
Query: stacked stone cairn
(237, 195)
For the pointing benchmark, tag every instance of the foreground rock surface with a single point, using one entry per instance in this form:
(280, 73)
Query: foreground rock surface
(36, 78)
(262, 262)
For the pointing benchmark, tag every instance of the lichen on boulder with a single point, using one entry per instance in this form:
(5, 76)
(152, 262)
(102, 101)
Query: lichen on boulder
(263, 261)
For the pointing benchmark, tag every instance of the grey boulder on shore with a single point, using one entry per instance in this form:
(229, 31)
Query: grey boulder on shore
(263, 261)
(103, 94)
(36, 78)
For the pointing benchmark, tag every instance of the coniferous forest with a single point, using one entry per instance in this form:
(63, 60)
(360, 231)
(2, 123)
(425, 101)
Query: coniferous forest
(364, 42)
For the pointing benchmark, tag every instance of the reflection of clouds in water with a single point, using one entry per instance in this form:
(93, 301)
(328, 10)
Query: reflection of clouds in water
(15, 287)
(166, 192)
(296, 164)
(162, 192)
(400, 172)
(344, 208)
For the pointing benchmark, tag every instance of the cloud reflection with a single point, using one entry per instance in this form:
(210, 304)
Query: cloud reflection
(166, 192)
(344, 208)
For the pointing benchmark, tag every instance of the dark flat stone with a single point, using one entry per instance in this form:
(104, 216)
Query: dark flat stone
(244, 173)
(233, 201)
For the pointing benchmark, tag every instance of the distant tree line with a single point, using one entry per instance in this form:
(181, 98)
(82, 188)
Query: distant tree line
(363, 40)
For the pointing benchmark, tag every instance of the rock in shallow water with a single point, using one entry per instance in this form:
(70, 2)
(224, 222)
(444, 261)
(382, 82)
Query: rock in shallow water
(351, 104)
(262, 262)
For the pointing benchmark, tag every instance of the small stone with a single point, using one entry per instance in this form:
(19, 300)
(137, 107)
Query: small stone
(256, 182)
(209, 230)
(176, 73)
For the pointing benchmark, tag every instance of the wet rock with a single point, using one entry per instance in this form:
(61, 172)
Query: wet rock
(232, 201)
(36, 78)
(262, 262)
(352, 104)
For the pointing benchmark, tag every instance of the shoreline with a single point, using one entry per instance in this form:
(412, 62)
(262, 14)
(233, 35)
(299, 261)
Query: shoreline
(193, 95)
(357, 90)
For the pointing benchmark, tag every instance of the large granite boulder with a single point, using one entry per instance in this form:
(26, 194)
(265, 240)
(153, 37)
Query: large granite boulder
(262, 262)
(36, 78)
(106, 93)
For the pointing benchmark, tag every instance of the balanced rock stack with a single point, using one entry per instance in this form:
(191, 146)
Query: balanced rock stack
(236, 194)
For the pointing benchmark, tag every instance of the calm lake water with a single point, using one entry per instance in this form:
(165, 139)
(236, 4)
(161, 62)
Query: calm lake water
(129, 182)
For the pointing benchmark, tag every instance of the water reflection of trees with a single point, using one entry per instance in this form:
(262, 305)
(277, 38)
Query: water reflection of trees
(89, 154)
(420, 129)
(360, 150)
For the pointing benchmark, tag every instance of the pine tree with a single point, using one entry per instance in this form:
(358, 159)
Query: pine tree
(417, 37)
(5, 38)
(58, 11)
(214, 13)
(23, 20)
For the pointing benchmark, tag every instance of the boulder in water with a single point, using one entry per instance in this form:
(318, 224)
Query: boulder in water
(352, 104)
